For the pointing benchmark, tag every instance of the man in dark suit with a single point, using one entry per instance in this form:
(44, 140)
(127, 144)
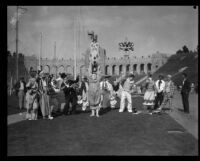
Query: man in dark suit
(185, 92)
(69, 88)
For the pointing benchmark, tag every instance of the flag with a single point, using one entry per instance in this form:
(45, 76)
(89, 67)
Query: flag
(13, 19)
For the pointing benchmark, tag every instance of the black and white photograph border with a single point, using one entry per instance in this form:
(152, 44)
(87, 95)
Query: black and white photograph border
(108, 80)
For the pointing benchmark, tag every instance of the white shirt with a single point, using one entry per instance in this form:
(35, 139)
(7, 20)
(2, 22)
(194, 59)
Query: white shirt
(106, 83)
(44, 83)
(162, 86)
(21, 86)
(184, 81)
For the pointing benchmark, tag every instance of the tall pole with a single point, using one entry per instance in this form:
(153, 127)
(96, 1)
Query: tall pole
(40, 50)
(75, 46)
(17, 23)
(79, 32)
(54, 50)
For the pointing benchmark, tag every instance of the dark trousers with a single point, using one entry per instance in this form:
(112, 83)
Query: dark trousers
(185, 102)
(158, 100)
(73, 101)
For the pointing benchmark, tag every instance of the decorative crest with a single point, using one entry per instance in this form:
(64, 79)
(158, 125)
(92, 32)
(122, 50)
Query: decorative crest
(126, 45)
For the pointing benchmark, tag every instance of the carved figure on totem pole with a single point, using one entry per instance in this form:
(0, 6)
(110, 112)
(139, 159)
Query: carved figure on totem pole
(94, 58)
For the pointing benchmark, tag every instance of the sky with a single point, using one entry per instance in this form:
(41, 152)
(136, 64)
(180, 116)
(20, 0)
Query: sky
(151, 28)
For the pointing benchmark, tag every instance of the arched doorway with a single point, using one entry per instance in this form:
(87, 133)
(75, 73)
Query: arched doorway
(106, 69)
(69, 69)
(82, 70)
(135, 67)
(128, 68)
(53, 70)
(113, 69)
(61, 69)
(141, 68)
(149, 67)
(120, 69)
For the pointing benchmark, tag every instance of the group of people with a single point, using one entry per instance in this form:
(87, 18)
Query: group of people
(48, 94)
(160, 93)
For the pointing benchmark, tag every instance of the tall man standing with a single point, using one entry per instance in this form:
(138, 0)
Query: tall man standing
(185, 93)
(160, 85)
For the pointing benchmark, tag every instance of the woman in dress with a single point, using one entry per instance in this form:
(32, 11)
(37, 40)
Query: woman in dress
(44, 97)
(149, 96)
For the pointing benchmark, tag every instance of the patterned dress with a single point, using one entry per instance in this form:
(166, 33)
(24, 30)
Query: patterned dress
(94, 94)
(149, 96)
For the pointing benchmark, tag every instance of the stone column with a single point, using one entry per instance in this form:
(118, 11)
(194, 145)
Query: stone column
(124, 69)
(117, 69)
(110, 70)
(138, 68)
(145, 68)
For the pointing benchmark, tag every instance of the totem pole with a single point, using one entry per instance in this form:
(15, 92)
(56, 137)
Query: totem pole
(94, 56)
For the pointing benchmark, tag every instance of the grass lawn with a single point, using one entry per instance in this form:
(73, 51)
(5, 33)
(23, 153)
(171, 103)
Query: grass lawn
(113, 133)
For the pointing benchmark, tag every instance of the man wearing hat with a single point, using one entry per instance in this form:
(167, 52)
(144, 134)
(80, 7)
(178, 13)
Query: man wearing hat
(168, 93)
(160, 85)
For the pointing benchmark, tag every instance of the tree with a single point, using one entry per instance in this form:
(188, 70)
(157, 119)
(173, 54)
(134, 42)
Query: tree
(179, 51)
(8, 53)
(185, 49)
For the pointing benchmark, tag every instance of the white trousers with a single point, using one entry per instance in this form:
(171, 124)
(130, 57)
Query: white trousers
(124, 95)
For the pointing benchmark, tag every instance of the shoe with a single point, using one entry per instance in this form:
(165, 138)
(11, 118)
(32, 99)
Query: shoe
(97, 116)
(50, 117)
(130, 111)
(120, 110)
(91, 115)
(20, 113)
(136, 112)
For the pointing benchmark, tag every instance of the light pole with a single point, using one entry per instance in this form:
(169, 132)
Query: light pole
(16, 17)
(17, 23)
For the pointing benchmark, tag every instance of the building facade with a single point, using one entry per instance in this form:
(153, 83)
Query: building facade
(110, 66)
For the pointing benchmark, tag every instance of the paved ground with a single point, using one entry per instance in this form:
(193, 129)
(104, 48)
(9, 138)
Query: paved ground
(188, 121)
(112, 134)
